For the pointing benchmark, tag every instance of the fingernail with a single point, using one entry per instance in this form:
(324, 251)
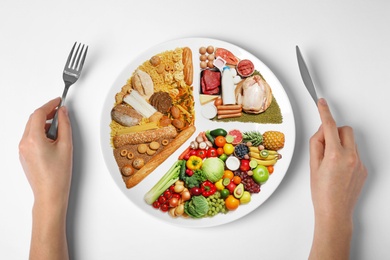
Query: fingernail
(322, 101)
(65, 109)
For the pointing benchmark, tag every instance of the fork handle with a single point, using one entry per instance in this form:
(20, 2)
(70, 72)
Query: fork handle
(53, 130)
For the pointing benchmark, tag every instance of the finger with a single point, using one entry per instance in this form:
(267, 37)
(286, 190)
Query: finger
(347, 138)
(317, 147)
(331, 133)
(40, 115)
(64, 126)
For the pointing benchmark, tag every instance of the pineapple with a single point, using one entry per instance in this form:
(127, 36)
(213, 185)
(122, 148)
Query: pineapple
(255, 138)
(273, 140)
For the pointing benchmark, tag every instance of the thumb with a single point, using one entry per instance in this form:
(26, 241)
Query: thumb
(64, 126)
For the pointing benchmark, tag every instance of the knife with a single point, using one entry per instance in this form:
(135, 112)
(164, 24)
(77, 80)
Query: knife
(306, 76)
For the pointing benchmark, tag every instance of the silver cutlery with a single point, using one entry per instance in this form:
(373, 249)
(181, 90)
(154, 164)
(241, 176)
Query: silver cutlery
(306, 76)
(71, 74)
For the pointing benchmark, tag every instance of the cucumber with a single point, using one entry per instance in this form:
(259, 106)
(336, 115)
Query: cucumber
(218, 132)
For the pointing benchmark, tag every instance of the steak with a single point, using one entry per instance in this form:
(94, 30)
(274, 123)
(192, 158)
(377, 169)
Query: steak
(210, 81)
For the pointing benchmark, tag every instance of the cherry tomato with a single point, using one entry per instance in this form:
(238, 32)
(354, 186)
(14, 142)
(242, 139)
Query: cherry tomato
(245, 165)
(164, 207)
(220, 141)
(167, 194)
(156, 204)
(212, 152)
(162, 199)
(176, 195)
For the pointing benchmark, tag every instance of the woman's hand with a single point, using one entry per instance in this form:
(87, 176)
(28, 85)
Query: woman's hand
(48, 167)
(337, 178)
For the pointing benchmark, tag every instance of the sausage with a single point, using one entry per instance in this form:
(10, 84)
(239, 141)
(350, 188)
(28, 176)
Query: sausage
(229, 115)
(228, 112)
(160, 157)
(229, 107)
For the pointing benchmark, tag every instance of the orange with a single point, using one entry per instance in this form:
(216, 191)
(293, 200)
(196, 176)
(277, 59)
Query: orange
(237, 180)
(228, 174)
(220, 141)
(231, 202)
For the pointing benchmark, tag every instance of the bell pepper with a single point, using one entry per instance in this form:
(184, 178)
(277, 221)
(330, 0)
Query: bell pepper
(194, 162)
(208, 188)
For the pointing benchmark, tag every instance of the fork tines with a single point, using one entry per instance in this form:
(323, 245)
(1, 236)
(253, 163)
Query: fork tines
(73, 61)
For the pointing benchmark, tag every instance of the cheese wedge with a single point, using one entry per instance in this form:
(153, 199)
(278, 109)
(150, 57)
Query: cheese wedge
(206, 98)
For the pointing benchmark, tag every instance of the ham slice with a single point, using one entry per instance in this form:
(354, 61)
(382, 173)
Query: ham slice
(210, 81)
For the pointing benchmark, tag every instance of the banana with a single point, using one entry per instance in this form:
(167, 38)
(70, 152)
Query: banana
(255, 149)
(269, 157)
(265, 162)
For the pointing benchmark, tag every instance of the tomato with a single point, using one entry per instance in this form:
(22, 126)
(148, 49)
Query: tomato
(212, 152)
(228, 174)
(156, 204)
(245, 165)
(228, 149)
(164, 207)
(231, 202)
(201, 153)
(167, 194)
(219, 141)
(231, 186)
(219, 150)
(162, 199)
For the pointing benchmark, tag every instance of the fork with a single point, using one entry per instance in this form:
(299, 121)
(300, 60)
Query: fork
(71, 74)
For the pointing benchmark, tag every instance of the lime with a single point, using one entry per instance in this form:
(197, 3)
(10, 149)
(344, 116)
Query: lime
(223, 157)
(224, 193)
(253, 164)
(229, 139)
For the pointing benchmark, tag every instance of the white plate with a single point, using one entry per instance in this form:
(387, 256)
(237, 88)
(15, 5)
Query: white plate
(137, 193)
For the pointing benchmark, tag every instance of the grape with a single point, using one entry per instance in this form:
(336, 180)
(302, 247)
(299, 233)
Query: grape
(249, 184)
(216, 205)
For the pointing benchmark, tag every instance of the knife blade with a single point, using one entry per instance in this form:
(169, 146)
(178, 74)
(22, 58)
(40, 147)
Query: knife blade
(307, 80)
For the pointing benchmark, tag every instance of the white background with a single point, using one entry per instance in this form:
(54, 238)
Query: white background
(346, 45)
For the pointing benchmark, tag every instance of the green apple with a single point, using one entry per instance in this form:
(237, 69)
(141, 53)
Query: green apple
(260, 174)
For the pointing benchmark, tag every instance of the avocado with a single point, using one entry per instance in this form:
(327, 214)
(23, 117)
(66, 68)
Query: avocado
(239, 191)
(218, 132)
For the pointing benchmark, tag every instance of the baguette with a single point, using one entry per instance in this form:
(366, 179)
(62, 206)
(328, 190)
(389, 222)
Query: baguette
(160, 157)
(188, 67)
(145, 136)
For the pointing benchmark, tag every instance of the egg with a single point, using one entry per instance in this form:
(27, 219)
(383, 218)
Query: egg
(203, 57)
(202, 50)
(210, 49)
(203, 64)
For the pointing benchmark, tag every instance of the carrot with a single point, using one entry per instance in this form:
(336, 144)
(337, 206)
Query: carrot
(184, 153)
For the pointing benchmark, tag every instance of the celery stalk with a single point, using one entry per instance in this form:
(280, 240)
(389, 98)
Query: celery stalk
(164, 183)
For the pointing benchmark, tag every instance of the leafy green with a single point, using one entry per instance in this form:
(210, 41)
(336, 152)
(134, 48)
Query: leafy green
(197, 207)
(213, 168)
(165, 182)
